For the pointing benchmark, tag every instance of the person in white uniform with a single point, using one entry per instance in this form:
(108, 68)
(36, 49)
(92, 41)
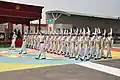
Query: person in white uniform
(98, 44)
(103, 40)
(86, 45)
(93, 44)
(42, 47)
(80, 45)
(109, 43)
(13, 41)
(23, 48)
(68, 44)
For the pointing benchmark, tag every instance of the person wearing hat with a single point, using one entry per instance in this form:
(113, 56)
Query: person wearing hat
(86, 45)
(35, 41)
(51, 43)
(47, 42)
(72, 45)
(32, 41)
(55, 42)
(64, 43)
(80, 45)
(98, 44)
(42, 46)
(62, 49)
(28, 41)
(92, 45)
(82, 51)
(13, 41)
(68, 44)
(76, 42)
(58, 43)
(109, 43)
(103, 41)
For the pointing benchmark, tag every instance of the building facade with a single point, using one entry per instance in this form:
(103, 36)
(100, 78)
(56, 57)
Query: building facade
(68, 20)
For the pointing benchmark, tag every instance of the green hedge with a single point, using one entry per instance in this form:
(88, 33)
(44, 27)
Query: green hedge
(4, 46)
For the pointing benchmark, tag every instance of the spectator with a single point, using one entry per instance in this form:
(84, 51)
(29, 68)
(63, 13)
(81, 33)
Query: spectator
(19, 34)
(11, 34)
(15, 30)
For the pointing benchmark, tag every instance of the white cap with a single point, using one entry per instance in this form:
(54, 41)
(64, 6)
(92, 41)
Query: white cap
(65, 31)
(88, 31)
(71, 30)
(77, 31)
(104, 32)
(110, 33)
(80, 31)
(95, 33)
(99, 31)
(83, 31)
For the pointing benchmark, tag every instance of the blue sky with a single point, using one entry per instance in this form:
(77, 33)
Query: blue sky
(95, 7)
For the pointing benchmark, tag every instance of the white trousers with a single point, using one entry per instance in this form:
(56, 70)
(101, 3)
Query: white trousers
(13, 43)
(108, 51)
(86, 52)
(72, 49)
(42, 50)
(23, 48)
(92, 52)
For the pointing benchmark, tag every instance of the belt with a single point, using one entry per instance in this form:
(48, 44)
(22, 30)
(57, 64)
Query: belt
(41, 42)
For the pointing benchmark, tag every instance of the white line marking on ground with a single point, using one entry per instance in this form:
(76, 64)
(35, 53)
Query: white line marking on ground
(102, 68)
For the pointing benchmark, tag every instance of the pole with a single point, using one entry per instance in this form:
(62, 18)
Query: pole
(39, 28)
(22, 29)
(29, 27)
(35, 27)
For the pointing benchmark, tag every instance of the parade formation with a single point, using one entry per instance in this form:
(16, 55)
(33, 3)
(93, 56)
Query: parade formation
(79, 44)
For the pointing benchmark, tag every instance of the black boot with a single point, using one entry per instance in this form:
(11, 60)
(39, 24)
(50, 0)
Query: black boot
(105, 57)
(110, 57)
(38, 56)
(96, 58)
(76, 58)
(20, 53)
(81, 59)
(43, 58)
(25, 53)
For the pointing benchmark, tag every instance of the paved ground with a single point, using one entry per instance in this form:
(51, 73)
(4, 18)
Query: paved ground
(113, 63)
(64, 72)
(24, 67)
